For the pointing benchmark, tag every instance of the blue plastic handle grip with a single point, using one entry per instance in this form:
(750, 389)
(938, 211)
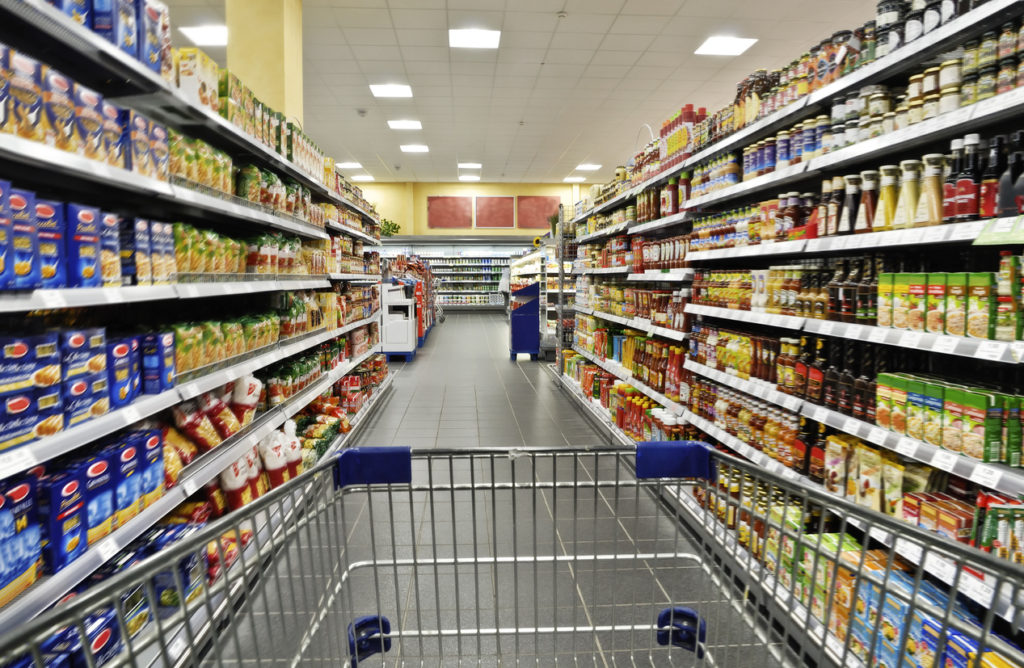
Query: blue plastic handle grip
(373, 466)
(674, 459)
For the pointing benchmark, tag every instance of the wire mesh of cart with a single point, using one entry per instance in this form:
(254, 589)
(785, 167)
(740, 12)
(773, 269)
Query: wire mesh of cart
(386, 556)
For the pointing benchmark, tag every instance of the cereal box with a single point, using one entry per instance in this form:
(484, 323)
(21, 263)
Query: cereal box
(50, 218)
(126, 459)
(117, 21)
(935, 304)
(61, 503)
(158, 362)
(6, 237)
(5, 89)
(98, 476)
(89, 122)
(58, 111)
(159, 151)
(25, 234)
(119, 372)
(79, 10)
(135, 250)
(27, 96)
(112, 135)
(19, 537)
(82, 243)
(136, 142)
(151, 443)
(981, 305)
(110, 249)
(82, 352)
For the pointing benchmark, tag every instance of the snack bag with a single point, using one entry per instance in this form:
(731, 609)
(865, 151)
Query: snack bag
(224, 421)
(193, 422)
(216, 498)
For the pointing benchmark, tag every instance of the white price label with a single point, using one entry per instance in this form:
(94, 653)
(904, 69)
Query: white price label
(1003, 225)
(976, 589)
(52, 298)
(854, 332)
(826, 327)
(990, 350)
(1017, 350)
(834, 645)
(15, 462)
(910, 339)
(177, 648)
(821, 414)
(945, 344)
(852, 426)
(106, 549)
(935, 234)
(792, 403)
(189, 291)
(131, 415)
(965, 231)
(940, 567)
(878, 335)
(945, 460)
(189, 390)
(986, 476)
(910, 550)
(877, 435)
(813, 245)
(906, 447)
(232, 373)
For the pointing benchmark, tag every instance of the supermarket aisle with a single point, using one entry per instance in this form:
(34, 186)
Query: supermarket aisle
(462, 390)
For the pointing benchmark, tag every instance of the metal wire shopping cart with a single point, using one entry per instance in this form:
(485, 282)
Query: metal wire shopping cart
(486, 557)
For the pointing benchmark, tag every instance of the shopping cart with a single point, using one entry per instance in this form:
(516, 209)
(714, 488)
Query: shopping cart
(384, 556)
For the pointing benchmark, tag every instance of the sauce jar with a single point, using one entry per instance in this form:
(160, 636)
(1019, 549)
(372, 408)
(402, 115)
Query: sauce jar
(930, 82)
(888, 12)
(988, 48)
(969, 90)
(949, 10)
(1020, 73)
(969, 61)
(879, 103)
(930, 107)
(882, 43)
(1006, 79)
(949, 74)
(913, 27)
(822, 126)
(875, 126)
(888, 122)
(932, 16)
(949, 99)
(827, 141)
(810, 139)
(867, 44)
(902, 119)
(782, 150)
(915, 112)
(1007, 45)
(838, 136)
(915, 87)
(986, 83)
(895, 36)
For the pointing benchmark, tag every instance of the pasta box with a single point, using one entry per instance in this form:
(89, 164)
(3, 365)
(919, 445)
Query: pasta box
(154, 38)
(158, 362)
(136, 142)
(101, 631)
(112, 134)
(6, 124)
(29, 415)
(61, 507)
(26, 96)
(59, 110)
(82, 352)
(133, 602)
(119, 372)
(136, 268)
(160, 151)
(82, 243)
(25, 236)
(151, 444)
(28, 361)
(6, 236)
(79, 10)
(162, 252)
(89, 122)
(98, 478)
(135, 342)
(117, 22)
(85, 397)
(19, 537)
(110, 249)
(50, 221)
(126, 458)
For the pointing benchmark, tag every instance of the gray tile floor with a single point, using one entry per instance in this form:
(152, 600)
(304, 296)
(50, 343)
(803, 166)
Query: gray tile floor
(486, 562)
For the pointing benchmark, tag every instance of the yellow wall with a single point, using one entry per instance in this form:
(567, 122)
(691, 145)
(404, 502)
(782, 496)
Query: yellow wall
(406, 203)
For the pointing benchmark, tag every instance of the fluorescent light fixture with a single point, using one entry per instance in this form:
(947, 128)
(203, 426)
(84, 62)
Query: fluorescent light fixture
(587, 167)
(362, 177)
(574, 179)
(474, 38)
(348, 165)
(469, 177)
(391, 90)
(415, 148)
(723, 45)
(470, 165)
(405, 125)
(213, 35)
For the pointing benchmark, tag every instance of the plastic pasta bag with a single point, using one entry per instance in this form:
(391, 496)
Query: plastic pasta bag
(186, 450)
(224, 421)
(193, 422)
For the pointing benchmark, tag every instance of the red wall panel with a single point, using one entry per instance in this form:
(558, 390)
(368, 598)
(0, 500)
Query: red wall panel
(495, 211)
(449, 212)
(533, 211)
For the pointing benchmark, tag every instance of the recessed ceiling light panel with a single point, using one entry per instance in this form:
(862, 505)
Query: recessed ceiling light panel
(723, 45)
(415, 148)
(574, 179)
(469, 177)
(474, 38)
(362, 177)
(391, 90)
(405, 125)
(209, 35)
(588, 167)
(348, 165)
(470, 165)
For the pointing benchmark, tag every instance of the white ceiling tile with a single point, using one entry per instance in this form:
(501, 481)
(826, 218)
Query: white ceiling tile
(422, 38)
(586, 22)
(482, 5)
(351, 17)
(517, 69)
(419, 81)
(425, 67)
(473, 55)
(661, 73)
(510, 55)
(463, 18)
(577, 40)
(529, 40)
(659, 7)
(420, 19)
(530, 21)
(627, 42)
(371, 36)
(607, 71)
(594, 6)
(322, 35)
(568, 56)
(435, 53)
(606, 57)
(479, 69)
(475, 81)
(367, 52)
(570, 71)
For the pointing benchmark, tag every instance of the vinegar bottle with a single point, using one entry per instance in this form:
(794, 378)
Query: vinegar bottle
(888, 194)
(929, 202)
(868, 202)
(910, 184)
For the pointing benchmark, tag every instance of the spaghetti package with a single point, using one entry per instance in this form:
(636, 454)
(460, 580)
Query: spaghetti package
(273, 453)
(257, 477)
(234, 481)
(186, 450)
(224, 421)
(194, 423)
(245, 398)
(172, 464)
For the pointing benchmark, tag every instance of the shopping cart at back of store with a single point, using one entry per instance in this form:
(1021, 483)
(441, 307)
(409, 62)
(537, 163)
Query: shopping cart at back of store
(669, 554)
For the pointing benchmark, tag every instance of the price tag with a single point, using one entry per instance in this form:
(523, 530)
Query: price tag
(189, 291)
(986, 476)
(906, 447)
(852, 426)
(957, 117)
(854, 332)
(935, 234)
(877, 435)
(976, 589)
(944, 460)
(940, 567)
(821, 414)
(965, 231)
(826, 327)
(813, 245)
(106, 549)
(909, 550)
(990, 350)
(792, 403)
(834, 646)
(16, 461)
(1017, 350)
(231, 374)
(131, 415)
(910, 339)
(188, 391)
(945, 344)
(52, 298)
(177, 648)
(878, 335)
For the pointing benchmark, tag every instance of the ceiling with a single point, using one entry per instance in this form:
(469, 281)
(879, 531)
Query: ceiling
(558, 91)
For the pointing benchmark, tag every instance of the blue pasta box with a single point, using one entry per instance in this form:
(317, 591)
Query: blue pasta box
(160, 151)
(83, 352)
(79, 10)
(6, 124)
(112, 135)
(6, 237)
(152, 444)
(102, 633)
(154, 26)
(61, 504)
(110, 249)
(85, 397)
(136, 356)
(20, 538)
(18, 418)
(46, 350)
(26, 96)
(116, 21)
(17, 364)
(133, 602)
(136, 268)
(59, 110)
(98, 477)
(135, 139)
(89, 122)
(158, 362)
(82, 243)
(50, 218)
(27, 272)
(119, 372)
(126, 459)
(190, 571)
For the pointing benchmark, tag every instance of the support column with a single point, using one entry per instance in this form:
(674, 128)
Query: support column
(265, 51)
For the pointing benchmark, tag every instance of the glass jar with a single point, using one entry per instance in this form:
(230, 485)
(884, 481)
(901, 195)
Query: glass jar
(888, 122)
(915, 112)
(930, 108)
(867, 44)
(949, 74)
(969, 60)
(888, 12)
(882, 43)
(914, 87)
(910, 189)
(895, 36)
(838, 136)
(888, 195)
(986, 83)
(902, 119)
(878, 104)
(782, 150)
(1007, 45)
(1006, 79)
(913, 27)
(949, 99)
(930, 82)
(1020, 73)
(969, 90)
(854, 104)
(988, 49)
(932, 16)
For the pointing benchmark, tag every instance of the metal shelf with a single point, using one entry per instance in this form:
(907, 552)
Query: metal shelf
(659, 275)
(363, 278)
(642, 324)
(601, 270)
(358, 234)
(752, 386)
(767, 248)
(624, 374)
(770, 319)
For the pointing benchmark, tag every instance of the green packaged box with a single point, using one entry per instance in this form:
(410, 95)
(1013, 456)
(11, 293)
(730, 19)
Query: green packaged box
(915, 408)
(901, 300)
(917, 293)
(981, 305)
(885, 296)
(933, 397)
(983, 426)
(883, 400)
(898, 401)
(952, 419)
(935, 304)
(956, 304)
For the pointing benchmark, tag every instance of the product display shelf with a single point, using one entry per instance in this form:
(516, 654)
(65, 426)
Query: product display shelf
(660, 223)
(358, 234)
(905, 59)
(752, 386)
(197, 474)
(467, 280)
(26, 456)
(195, 202)
(578, 271)
(609, 231)
(466, 292)
(662, 275)
(770, 319)
(473, 307)
(624, 375)
(361, 278)
(595, 409)
(642, 324)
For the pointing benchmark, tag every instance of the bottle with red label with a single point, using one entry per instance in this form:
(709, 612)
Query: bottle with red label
(994, 167)
(955, 162)
(968, 181)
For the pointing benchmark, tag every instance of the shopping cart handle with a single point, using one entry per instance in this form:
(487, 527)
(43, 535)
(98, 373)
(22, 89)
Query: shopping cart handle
(373, 466)
(674, 459)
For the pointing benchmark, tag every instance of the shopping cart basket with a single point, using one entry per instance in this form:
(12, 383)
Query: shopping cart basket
(486, 557)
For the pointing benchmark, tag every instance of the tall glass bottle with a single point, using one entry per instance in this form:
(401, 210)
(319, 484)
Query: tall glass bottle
(969, 180)
(1007, 202)
(848, 292)
(816, 373)
(995, 165)
(954, 164)
(826, 197)
(851, 204)
(834, 291)
(835, 206)
(802, 366)
(868, 202)
(910, 184)
(864, 386)
(830, 383)
(866, 293)
(847, 377)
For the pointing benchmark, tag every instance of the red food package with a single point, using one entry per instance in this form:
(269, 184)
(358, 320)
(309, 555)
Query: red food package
(234, 480)
(246, 398)
(185, 448)
(226, 545)
(224, 421)
(172, 464)
(190, 512)
(196, 425)
(215, 497)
